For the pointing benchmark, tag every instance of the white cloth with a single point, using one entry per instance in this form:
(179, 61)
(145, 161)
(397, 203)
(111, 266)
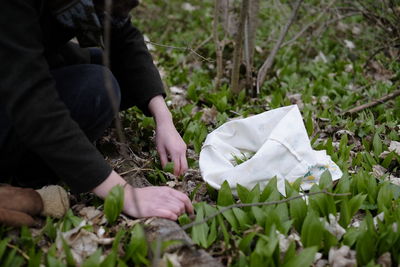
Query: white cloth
(281, 146)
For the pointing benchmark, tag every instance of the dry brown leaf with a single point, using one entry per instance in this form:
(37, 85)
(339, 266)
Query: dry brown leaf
(385, 260)
(342, 257)
(395, 146)
(334, 227)
(81, 242)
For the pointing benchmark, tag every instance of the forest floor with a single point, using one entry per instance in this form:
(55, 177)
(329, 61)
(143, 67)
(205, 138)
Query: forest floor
(332, 60)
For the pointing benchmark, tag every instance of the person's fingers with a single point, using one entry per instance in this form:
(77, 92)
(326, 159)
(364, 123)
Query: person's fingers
(184, 164)
(16, 218)
(163, 156)
(184, 199)
(177, 164)
(25, 200)
(167, 214)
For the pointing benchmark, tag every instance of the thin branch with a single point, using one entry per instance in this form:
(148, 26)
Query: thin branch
(270, 60)
(107, 75)
(268, 203)
(374, 102)
(305, 28)
(141, 169)
(19, 251)
(187, 48)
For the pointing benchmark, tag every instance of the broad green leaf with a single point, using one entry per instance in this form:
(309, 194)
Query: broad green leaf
(312, 230)
(231, 218)
(200, 232)
(225, 233)
(377, 144)
(385, 197)
(325, 181)
(243, 193)
(183, 219)
(110, 260)
(213, 233)
(244, 244)
(259, 215)
(137, 247)
(169, 167)
(241, 217)
(68, 254)
(269, 189)
(298, 212)
(225, 197)
(365, 248)
(93, 260)
(114, 203)
(3, 246)
(304, 258)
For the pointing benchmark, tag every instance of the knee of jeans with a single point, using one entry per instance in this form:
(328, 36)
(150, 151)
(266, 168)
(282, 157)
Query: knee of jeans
(108, 98)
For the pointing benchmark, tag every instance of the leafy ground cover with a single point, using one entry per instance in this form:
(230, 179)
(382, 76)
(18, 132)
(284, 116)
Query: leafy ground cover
(332, 67)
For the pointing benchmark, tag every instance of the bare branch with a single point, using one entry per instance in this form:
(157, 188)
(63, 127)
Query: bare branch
(262, 73)
(187, 48)
(374, 102)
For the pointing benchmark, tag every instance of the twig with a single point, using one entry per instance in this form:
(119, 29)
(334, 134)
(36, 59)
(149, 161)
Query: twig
(19, 251)
(141, 169)
(262, 73)
(107, 75)
(305, 28)
(268, 203)
(374, 102)
(187, 48)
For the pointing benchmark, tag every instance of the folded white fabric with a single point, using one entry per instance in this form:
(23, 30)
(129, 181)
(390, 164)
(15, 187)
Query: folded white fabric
(281, 146)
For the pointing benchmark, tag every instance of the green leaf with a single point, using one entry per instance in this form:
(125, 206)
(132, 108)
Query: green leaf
(243, 193)
(3, 246)
(213, 233)
(377, 145)
(231, 218)
(365, 248)
(325, 181)
(385, 197)
(68, 254)
(225, 233)
(259, 215)
(93, 260)
(169, 167)
(298, 212)
(225, 197)
(241, 217)
(137, 248)
(270, 189)
(245, 243)
(114, 203)
(200, 232)
(304, 258)
(110, 260)
(312, 230)
(183, 219)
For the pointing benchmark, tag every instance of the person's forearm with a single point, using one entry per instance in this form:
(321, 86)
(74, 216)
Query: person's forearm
(159, 110)
(112, 180)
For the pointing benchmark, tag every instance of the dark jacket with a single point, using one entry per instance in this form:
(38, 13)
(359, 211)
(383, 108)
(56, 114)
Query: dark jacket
(32, 42)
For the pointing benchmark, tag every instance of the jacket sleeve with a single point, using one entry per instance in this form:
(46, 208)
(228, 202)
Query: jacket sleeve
(39, 118)
(133, 66)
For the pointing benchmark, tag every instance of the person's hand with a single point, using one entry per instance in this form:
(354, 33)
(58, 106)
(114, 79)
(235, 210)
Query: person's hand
(171, 146)
(150, 201)
(158, 201)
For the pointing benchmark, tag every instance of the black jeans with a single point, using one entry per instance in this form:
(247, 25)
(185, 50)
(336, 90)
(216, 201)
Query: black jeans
(82, 89)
